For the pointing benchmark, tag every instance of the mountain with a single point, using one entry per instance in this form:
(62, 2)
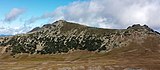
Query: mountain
(63, 36)
(133, 44)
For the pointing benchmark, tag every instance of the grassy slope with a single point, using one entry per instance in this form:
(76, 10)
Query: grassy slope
(145, 55)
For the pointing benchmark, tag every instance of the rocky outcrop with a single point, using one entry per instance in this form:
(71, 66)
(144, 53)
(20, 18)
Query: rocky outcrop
(63, 36)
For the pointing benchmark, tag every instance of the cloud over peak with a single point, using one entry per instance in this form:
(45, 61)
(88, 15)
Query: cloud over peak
(112, 13)
(13, 14)
(108, 13)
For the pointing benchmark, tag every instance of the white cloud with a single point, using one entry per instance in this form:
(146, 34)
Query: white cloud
(108, 13)
(14, 30)
(111, 13)
(13, 14)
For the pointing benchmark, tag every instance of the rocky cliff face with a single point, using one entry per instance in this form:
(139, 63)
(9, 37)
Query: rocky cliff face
(63, 37)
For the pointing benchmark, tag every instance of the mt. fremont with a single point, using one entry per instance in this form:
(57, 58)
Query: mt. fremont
(63, 37)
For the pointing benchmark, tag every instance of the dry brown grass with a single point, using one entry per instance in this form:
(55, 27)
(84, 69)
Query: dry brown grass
(144, 56)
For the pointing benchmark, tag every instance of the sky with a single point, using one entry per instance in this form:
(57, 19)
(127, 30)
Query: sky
(20, 16)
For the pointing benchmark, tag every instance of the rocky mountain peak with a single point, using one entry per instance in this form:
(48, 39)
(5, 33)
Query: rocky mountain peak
(137, 26)
(59, 22)
(140, 28)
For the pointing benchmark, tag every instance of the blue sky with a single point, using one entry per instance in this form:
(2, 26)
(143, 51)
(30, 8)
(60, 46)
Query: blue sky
(31, 8)
(20, 16)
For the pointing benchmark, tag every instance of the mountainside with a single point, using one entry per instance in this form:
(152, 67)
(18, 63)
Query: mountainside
(85, 48)
(63, 36)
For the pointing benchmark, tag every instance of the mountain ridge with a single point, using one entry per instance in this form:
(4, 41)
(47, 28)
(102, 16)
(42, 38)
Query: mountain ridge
(62, 36)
